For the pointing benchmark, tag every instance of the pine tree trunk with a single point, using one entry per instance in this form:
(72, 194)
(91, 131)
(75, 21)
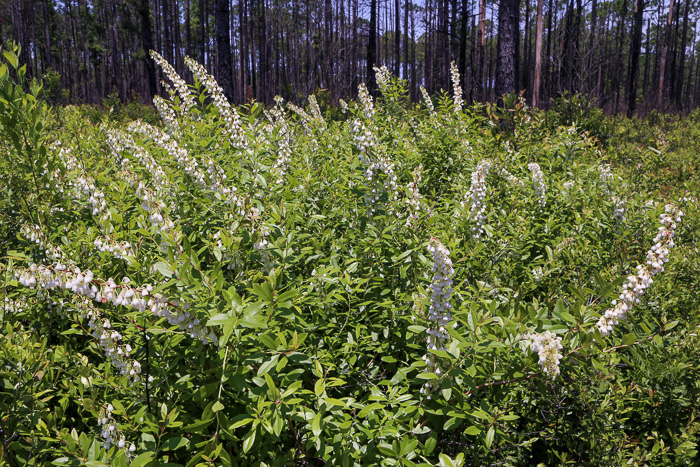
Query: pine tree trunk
(538, 56)
(372, 47)
(664, 53)
(635, 49)
(481, 53)
(506, 56)
(147, 44)
(223, 48)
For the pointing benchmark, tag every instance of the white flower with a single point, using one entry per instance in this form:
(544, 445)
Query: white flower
(637, 284)
(540, 187)
(547, 345)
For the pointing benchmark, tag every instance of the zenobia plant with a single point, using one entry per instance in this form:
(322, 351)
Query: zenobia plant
(274, 303)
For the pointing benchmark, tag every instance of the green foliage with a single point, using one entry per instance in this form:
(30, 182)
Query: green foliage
(318, 301)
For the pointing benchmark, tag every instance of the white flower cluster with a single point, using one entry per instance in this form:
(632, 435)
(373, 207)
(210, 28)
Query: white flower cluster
(137, 298)
(114, 141)
(36, 235)
(151, 203)
(233, 128)
(262, 246)
(13, 306)
(510, 178)
(636, 285)
(606, 177)
(185, 92)
(110, 340)
(306, 119)
(158, 178)
(540, 187)
(547, 345)
(177, 152)
(284, 149)
(383, 77)
(110, 432)
(375, 161)
(167, 114)
(316, 111)
(439, 315)
(217, 179)
(619, 210)
(232, 261)
(416, 205)
(538, 274)
(343, 106)
(457, 87)
(81, 181)
(428, 100)
(366, 101)
(569, 184)
(476, 198)
(117, 249)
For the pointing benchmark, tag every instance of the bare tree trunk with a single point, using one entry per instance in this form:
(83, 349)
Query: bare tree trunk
(188, 29)
(635, 49)
(203, 18)
(223, 48)
(664, 53)
(647, 59)
(397, 38)
(506, 57)
(167, 39)
(538, 56)
(147, 44)
(372, 47)
(481, 53)
(405, 40)
(681, 72)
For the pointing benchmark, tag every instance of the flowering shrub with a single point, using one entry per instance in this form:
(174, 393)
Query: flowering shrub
(248, 286)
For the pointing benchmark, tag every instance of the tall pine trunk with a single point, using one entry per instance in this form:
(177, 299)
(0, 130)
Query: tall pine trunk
(223, 48)
(506, 56)
(635, 49)
(538, 56)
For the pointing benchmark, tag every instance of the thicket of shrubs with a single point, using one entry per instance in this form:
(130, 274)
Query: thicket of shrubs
(381, 283)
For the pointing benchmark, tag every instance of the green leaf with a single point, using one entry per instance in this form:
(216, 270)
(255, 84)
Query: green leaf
(163, 268)
(241, 420)
(176, 442)
(316, 424)
(489, 437)
(249, 440)
(629, 339)
(263, 291)
(472, 430)
(11, 58)
(142, 459)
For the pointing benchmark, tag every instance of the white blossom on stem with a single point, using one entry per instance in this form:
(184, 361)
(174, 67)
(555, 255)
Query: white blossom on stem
(476, 198)
(232, 128)
(439, 315)
(428, 101)
(184, 91)
(637, 284)
(548, 346)
(540, 186)
(457, 88)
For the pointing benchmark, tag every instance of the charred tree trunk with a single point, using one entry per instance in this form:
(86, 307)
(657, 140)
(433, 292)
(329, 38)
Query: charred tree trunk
(372, 47)
(223, 48)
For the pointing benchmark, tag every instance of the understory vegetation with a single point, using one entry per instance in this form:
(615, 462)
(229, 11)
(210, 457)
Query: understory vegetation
(381, 283)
